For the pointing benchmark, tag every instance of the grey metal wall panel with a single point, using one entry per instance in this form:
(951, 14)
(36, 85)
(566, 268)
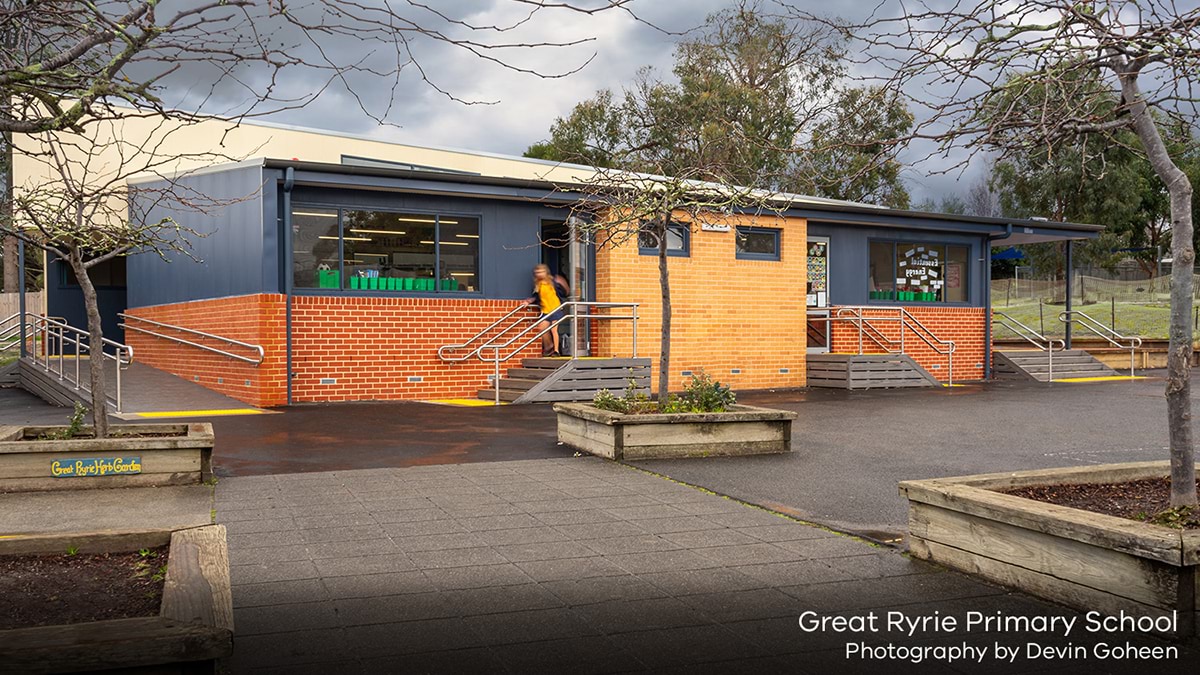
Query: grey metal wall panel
(231, 255)
(509, 231)
(849, 248)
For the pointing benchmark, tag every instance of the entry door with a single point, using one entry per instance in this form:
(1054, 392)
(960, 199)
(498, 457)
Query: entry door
(579, 261)
(817, 295)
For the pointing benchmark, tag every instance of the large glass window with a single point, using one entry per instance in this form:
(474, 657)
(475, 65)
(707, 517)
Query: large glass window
(918, 272)
(315, 248)
(757, 243)
(385, 250)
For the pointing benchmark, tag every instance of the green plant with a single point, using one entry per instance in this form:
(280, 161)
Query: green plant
(72, 550)
(73, 427)
(1179, 517)
(160, 574)
(703, 394)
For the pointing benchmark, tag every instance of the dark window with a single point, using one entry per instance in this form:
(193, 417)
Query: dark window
(757, 243)
(678, 240)
(108, 274)
(385, 250)
(918, 272)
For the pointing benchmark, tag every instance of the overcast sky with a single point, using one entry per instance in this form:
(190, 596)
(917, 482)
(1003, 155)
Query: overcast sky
(521, 107)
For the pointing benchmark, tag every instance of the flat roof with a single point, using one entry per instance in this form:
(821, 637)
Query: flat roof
(1008, 230)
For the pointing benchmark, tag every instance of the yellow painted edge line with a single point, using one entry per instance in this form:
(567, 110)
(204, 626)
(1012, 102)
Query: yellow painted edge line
(197, 413)
(464, 402)
(953, 385)
(1102, 378)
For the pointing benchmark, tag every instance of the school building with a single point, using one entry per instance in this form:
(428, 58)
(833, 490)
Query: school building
(344, 268)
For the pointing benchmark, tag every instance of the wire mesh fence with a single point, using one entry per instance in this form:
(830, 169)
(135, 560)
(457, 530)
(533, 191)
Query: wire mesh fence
(1137, 307)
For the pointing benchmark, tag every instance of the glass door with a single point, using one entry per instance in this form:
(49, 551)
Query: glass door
(579, 262)
(817, 295)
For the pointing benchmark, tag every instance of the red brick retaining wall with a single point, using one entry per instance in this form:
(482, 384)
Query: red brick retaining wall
(966, 326)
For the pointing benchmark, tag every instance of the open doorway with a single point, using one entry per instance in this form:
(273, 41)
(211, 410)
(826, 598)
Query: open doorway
(568, 257)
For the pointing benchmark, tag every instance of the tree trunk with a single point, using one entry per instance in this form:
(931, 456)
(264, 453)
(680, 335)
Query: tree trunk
(1179, 354)
(664, 358)
(95, 346)
(12, 266)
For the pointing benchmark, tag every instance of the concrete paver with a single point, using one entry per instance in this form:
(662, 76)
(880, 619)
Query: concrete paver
(558, 565)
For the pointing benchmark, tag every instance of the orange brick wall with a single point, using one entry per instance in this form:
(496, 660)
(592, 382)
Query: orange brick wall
(966, 326)
(727, 313)
(256, 319)
(371, 347)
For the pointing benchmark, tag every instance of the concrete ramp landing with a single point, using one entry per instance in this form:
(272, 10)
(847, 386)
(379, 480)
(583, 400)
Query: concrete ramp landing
(146, 392)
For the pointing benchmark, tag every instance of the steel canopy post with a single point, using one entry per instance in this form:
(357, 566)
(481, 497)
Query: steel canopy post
(21, 291)
(1067, 340)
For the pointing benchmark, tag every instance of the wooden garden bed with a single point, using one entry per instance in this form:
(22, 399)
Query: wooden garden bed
(742, 430)
(194, 624)
(1089, 561)
(134, 455)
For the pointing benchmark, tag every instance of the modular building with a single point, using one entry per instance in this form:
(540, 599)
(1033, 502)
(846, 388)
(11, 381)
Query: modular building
(352, 263)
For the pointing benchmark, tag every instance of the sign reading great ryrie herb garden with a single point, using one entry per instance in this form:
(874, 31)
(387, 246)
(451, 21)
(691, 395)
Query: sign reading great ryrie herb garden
(95, 466)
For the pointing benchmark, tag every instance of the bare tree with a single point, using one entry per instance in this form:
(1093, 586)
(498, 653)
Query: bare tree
(629, 208)
(70, 67)
(1006, 76)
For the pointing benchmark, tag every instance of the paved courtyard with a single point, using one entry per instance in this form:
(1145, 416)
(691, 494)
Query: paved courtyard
(563, 565)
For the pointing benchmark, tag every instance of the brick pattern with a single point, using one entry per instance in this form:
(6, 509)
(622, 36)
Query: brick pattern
(966, 326)
(727, 314)
(371, 349)
(256, 319)
(343, 348)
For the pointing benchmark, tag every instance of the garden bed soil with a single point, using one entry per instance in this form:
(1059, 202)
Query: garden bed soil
(1135, 500)
(45, 590)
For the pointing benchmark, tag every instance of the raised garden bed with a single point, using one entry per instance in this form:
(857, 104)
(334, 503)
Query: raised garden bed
(36, 458)
(1083, 559)
(741, 430)
(193, 623)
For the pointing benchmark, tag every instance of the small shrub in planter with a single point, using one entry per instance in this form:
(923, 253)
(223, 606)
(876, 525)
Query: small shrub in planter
(704, 420)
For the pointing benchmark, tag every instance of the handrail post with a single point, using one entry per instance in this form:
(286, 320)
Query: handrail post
(1049, 361)
(118, 378)
(635, 320)
(858, 313)
(77, 359)
(496, 371)
(574, 331)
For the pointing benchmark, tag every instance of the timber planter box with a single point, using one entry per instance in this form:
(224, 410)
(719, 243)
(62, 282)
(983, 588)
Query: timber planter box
(194, 625)
(742, 430)
(1085, 560)
(134, 455)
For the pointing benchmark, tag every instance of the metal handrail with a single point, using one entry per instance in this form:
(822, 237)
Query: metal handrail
(1099, 329)
(59, 333)
(906, 320)
(445, 349)
(878, 337)
(495, 346)
(1034, 338)
(256, 348)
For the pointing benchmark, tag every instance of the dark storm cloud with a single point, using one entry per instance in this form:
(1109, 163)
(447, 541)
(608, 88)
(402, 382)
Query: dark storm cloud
(509, 109)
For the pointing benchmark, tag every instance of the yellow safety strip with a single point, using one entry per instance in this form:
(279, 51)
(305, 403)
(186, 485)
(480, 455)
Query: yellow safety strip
(201, 413)
(1102, 378)
(464, 402)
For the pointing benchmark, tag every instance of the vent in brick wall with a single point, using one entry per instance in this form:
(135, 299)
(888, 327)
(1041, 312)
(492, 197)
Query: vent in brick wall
(328, 380)
(785, 371)
(686, 373)
(415, 378)
(736, 371)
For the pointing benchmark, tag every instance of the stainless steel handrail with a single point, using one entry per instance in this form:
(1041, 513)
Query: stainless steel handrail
(574, 316)
(1034, 338)
(59, 333)
(878, 337)
(855, 313)
(445, 349)
(1090, 323)
(253, 347)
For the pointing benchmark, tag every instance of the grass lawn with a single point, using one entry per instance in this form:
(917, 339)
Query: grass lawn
(1142, 320)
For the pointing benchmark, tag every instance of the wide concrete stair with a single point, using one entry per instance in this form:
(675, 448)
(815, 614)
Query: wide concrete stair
(1033, 364)
(867, 371)
(544, 380)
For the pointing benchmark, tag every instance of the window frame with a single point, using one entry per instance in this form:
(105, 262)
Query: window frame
(342, 208)
(946, 245)
(754, 229)
(685, 252)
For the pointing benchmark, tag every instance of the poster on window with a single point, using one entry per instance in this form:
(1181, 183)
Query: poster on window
(954, 275)
(818, 273)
